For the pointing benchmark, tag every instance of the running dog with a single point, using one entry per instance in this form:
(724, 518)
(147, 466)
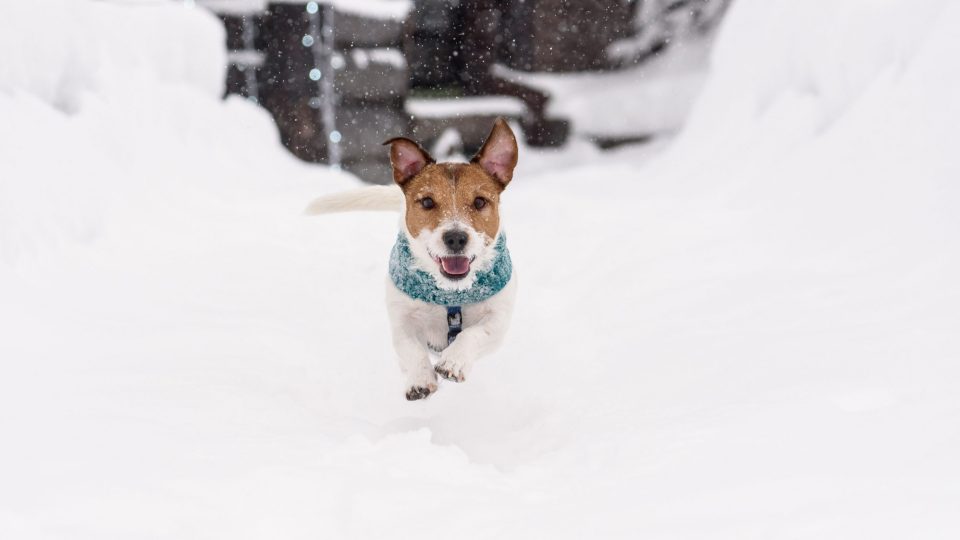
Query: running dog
(451, 285)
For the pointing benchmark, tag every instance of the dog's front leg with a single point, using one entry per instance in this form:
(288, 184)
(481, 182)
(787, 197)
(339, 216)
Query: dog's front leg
(414, 363)
(457, 359)
(478, 340)
(421, 381)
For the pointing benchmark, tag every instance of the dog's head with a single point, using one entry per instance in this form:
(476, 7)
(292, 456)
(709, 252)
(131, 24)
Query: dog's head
(452, 213)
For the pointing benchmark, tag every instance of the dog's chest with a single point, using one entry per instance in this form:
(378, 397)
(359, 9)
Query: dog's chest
(432, 326)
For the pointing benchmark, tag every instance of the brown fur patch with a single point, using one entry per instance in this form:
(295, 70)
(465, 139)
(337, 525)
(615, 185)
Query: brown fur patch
(453, 187)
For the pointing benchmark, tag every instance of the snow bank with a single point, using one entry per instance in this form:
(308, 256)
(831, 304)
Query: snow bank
(750, 335)
(58, 50)
(106, 101)
(837, 125)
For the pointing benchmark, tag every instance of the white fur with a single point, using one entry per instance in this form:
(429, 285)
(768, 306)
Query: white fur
(419, 327)
(371, 198)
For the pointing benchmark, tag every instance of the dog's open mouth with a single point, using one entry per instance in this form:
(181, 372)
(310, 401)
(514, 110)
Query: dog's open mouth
(454, 267)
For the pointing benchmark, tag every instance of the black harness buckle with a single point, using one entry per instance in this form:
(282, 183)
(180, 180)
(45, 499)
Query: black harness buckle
(454, 323)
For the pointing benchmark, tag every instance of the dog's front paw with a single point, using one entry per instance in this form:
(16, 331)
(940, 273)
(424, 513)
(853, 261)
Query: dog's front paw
(420, 392)
(450, 371)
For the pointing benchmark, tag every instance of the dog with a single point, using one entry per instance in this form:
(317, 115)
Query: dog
(451, 285)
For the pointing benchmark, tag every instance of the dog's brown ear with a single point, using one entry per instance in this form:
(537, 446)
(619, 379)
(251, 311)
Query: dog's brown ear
(498, 156)
(407, 159)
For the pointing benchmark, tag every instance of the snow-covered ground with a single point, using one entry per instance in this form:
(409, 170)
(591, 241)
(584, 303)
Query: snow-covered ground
(752, 334)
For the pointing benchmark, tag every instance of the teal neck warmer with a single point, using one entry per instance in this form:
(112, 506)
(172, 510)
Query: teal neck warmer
(420, 285)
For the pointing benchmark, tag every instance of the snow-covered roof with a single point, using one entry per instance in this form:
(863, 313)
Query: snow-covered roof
(378, 9)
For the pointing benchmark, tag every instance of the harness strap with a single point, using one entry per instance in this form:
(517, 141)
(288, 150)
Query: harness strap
(454, 323)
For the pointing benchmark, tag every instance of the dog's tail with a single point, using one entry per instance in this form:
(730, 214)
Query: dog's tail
(370, 198)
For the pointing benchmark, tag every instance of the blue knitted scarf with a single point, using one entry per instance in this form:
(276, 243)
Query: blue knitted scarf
(420, 285)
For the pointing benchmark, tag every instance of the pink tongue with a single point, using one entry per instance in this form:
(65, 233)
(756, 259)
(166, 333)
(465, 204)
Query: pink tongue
(455, 266)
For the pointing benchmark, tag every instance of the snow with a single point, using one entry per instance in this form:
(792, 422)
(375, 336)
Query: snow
(378, 9)
(661, 22)
(653, 98)
(246, 58)
(60, 69)
(466, 106)
(751, 333)
(386, 56)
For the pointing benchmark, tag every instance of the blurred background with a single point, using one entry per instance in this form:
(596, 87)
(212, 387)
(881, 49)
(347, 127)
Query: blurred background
(341, 76)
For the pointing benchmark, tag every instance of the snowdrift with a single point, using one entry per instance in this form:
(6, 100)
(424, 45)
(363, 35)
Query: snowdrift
(749, 335)
(107, 105)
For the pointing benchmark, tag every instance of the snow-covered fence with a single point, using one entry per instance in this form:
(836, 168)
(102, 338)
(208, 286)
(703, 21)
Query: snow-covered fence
(452, 48)
(334, 74)
(333, 79)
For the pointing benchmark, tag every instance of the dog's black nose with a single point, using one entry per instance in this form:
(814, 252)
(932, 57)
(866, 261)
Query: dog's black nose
(455, 240)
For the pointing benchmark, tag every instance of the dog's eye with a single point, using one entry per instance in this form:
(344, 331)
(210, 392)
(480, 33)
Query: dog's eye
(479, 203)
(427, 203)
